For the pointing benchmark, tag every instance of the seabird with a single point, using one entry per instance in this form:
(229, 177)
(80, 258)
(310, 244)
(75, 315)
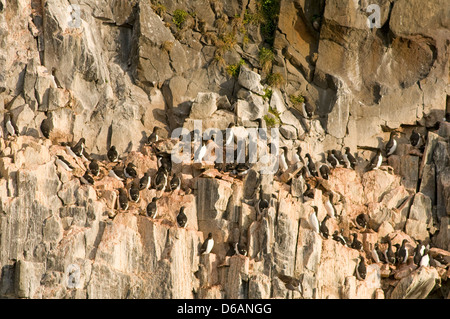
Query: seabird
(87, 179)
(307, 110)
(361, 270)
(154, 136)
(262, 205)
(391, 145)
(311, 166)
(375, 255)
(182, 218)
(134, 192)
(113, 155)
(175, 183)
(331, 159)
(329, 205)
(78, 148)
(339, 238)
(94, 168)
(152, 208)
(313, 221)
(45, 127)
(161, 179)
(351, 159)
(416, 139)
(64, 163)
(309, 192)
(164, 161)
(324, 171)
(389, 253)
(208, 245)
(376, 161)
(145, 181)
(130, 170)
(296, 156)
(356, 244)
(418, 252)
(425, 260)
(323, 227)
(338, 156)
(117, 173)
(10, 126)
(362, 220)
(123, 199)
(402, 253)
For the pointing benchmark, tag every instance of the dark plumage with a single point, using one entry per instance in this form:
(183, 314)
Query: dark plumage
(130, 170)
(79, 147)
(182, 218)
(356, 244)
(311, 166)
(64, 163)
(339, 238)
(391, 145)
(324, 171)
(338, 155)
(361, 270)
(207, 245)
(112, 154)
(389, 253)
(402, 253)
(10, 125)
(362, 220)
(161, 179)
(117, 173)
(134, 193)
(154, 137)
(323, 227)
(418, 252)
(94, 167)
(175, 183)
(350, 157)
(152, 208)
(375, 162)
(87, 179)
(415, 139)
(331, 159)
(309, 192)
(144, 182)
(123, 199)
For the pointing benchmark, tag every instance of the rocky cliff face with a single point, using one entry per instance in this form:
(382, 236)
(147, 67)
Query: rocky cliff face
(110, 71)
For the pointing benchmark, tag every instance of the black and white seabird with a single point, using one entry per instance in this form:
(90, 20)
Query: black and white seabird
(263, 204)
(229, 133)
(331, 159)
(145, 181)
(296, 156)
(351, 159)
(10, 125)
(152, 208)
(112, 154)
(77, 149)
(339, 238)
(182, 218)
(356, 244)
(375, 254)
(161, 179)
(64, 163)
(418, 252)
(362, 220)
(117, 173)
(200, 152)
(391, 145)
(94, 167)
(309, 192)
(282, 157)
(154, 137)
(425, 260)
(375, 162)
(123, 199)
(207, 245)
(307, 110)
(361, 270)
(402, 253)
(45, 127)
(130, 170)
(175, 183)
(324, 171)
(134, 192)
(313, 221)
(416, 139)
(311, 166)
(389, 253)
(338, 156)
(87, 179)
(328, 203)
(323, 227)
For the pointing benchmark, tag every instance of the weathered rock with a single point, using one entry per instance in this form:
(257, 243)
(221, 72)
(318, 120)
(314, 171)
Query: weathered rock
(420, 217)
(204, 105)
(250, 80)
(416, 286)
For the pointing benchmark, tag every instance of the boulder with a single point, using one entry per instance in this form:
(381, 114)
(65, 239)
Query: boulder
(204, 105)
(418, 285)
(250, 80)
